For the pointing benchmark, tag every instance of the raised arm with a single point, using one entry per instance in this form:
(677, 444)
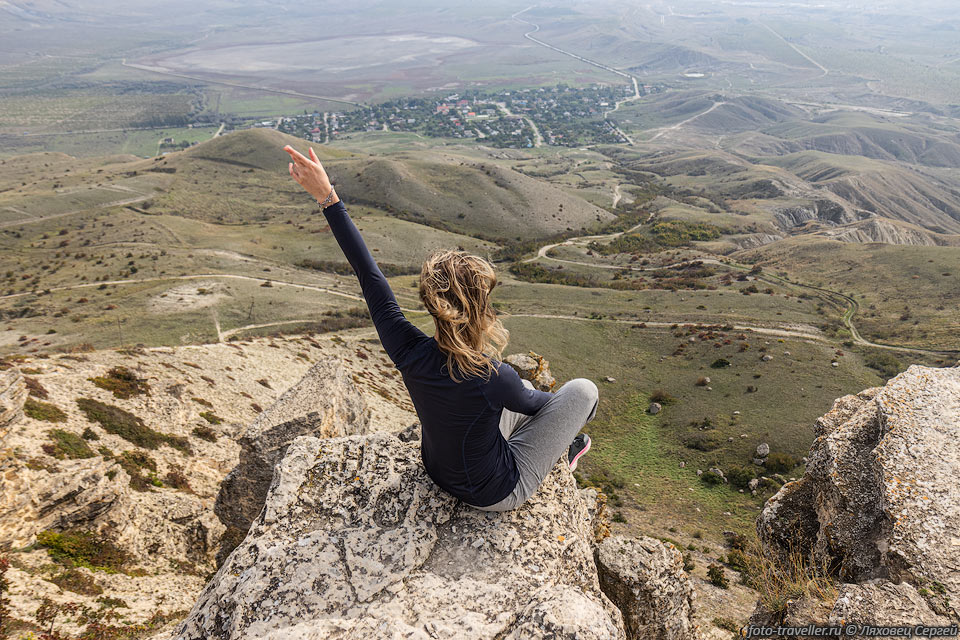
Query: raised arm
(397, 334)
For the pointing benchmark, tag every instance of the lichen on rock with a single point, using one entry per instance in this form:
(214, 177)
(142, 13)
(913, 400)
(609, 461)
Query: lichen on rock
(355, 539)
(879, 505)
(324, 403)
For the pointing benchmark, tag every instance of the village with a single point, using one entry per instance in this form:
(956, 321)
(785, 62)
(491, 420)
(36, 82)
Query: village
(519, 118)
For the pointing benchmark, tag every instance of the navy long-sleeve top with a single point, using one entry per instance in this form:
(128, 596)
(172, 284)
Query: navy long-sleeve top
(462, 448)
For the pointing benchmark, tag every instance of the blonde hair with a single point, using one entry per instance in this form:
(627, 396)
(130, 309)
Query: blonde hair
(455, 288)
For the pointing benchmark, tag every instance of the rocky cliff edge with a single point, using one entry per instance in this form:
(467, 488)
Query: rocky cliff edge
(354, 540)
(878, 508)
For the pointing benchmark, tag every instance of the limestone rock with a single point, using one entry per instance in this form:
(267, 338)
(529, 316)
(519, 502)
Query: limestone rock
(13, 395)
(655, 408)
(356, 541)
(324, 403)
(884, 603)
(879, 499)
(533, 367)
(763, 450)
(645, 579)
(595, 502)
(74, 495)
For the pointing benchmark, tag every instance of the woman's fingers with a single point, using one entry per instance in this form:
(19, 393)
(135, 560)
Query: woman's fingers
(296, 155)
(313, 156)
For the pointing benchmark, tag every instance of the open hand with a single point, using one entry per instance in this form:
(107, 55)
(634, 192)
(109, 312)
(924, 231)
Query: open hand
(310, 174)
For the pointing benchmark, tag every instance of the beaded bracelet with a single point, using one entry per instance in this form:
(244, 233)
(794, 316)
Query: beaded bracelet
(327, 199)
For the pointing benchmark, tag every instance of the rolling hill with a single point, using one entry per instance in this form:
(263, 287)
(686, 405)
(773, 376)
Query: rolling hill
(451, 192)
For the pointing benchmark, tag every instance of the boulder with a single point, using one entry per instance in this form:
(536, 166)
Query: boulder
(533, 367)
(655, 408)
(355, 540)
(716, 471)
(879, 502)
(645, 579)
(763, 450)
(325, 403)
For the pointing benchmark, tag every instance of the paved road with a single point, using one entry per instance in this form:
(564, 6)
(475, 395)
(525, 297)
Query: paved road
(792, 46)
(636, 88)
(537, 138)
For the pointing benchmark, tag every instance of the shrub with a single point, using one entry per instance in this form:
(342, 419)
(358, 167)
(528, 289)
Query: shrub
(676, 233)
(740, 477)
(717, 576)
(43, 411)
(89, 434)
(176, 479)
(77, 582)
(720, 363)
(122, 382)
(135, 463)
(67, 445)
(35, 389)
(711, 478)
(688, 564)
(702, 442)
(661, 396)
(78, 548)
(205, 433)
(727, 624)
(211, 417)
(780, 462)
(885, 363)
(128, 426)
(737, 560)
(737, 541)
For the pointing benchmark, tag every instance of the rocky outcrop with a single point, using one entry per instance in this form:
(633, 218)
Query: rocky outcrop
(879, 504)
(355, 540)
(33, 500)
(645, 579)
(827, 211)
(887, 232)
(13, 395)
(533, 367)
(325, 403)
(754, 240)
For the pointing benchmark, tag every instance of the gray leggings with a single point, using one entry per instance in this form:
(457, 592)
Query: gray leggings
(539, 440)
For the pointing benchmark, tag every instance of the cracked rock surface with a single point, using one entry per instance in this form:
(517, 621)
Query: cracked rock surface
(879, 504)
(355, 540)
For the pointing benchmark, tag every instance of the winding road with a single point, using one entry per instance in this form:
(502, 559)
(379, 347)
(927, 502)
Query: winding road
(842, 301)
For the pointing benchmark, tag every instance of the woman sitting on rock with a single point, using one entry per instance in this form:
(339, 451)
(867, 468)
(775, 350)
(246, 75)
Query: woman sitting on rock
(488, 437)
